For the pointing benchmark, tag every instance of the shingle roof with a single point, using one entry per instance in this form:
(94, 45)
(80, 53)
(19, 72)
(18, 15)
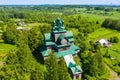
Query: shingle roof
(49, 43)
(71, 51)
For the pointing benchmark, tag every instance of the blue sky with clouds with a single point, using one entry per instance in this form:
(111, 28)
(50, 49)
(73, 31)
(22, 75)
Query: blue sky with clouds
(35, 2)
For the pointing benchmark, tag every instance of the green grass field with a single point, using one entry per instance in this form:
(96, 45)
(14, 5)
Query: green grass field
(5, 49)
(103, 33)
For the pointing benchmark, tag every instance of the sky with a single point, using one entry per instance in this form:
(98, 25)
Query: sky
(38, 2)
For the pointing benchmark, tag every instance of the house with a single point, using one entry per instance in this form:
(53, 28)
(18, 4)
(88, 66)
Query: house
(104, 42)
(62, 42)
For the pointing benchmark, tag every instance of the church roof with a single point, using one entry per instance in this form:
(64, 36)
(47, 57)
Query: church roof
(46, 52)
(71, 51)
(76, 70)
(47, 36)
(69, 34)
(58, 26)
(69, 61)
(72, 65)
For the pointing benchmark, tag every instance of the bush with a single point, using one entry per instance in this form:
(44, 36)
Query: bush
(114, 39)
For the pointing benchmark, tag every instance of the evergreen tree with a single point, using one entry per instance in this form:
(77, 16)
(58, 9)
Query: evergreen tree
(63, 70)
(97, 68)
(37, 73)
(20, 63)
(25, 58)
(52, 67)
(34, 38)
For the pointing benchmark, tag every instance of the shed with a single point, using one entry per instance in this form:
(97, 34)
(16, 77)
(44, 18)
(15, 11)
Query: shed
(104, 42)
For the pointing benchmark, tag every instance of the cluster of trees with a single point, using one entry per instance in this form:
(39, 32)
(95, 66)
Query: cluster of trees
(82, 24)
(91, 58)
(112, 23)
(56, 70)
(107, 9)
(114, 39)
(21, 63)
(92, 63)
(93, 66)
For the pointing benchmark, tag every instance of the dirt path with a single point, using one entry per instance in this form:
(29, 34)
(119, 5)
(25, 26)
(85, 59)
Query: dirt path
(113, 74)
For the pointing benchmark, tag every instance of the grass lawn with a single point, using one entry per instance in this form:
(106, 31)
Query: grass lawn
(4, 49)
(103, 33)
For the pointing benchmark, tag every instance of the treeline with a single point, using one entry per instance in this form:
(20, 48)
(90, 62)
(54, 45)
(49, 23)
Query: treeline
(112, 23)
(34, 13)
(29, 16)
(81, 23)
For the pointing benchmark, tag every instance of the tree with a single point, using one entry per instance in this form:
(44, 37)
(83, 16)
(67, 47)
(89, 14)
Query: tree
(112, 23)
(25, 58)
(52, 67)
(19, 64)
(10, 35)
(97, 68)
(63, 70)
(114, 39)
(34, 38)
(8, 71)
(37, 73)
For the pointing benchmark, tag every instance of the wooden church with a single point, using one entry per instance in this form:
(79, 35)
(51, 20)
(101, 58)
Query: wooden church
(62, 42)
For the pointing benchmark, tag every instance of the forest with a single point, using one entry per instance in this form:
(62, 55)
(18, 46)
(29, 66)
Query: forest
(20, 57)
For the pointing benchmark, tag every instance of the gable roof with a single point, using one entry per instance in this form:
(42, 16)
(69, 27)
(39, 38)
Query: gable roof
(69, 60)
(72, 65)
(103, 41)
(76, 70)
